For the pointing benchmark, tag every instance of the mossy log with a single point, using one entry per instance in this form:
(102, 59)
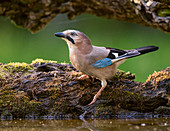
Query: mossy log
(46, 88)
(35, 14)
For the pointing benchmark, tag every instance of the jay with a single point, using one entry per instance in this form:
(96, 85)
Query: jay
(99, 62)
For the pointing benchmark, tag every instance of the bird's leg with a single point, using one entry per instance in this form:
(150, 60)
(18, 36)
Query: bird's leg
(104, 84)
(82, 77)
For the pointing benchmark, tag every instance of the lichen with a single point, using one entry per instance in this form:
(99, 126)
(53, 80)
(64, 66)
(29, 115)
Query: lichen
(124, 75)
(15, 67)
(10, 69)
(159, 76)
(39, 61)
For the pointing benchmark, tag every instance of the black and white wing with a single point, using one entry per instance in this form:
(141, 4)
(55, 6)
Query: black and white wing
(116, 55)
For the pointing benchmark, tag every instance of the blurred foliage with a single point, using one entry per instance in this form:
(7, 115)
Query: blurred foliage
(19, 45)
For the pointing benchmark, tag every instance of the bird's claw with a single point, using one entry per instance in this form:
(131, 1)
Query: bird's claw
(82, 77)
(83, 115)
(92, 102)
(94, 99)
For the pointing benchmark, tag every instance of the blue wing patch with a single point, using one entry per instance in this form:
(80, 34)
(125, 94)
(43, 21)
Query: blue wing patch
(102, 63)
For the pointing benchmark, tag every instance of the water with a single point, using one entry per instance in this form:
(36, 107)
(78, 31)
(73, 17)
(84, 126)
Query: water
(159, 124)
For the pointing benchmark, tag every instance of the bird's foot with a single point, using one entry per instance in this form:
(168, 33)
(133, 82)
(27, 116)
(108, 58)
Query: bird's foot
(82, 77)
(82, 116)
(94, 99)
(92, 102)
(86, 109)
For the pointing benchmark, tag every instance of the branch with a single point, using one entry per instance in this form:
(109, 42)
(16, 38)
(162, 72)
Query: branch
(48, 88)
(34, 15)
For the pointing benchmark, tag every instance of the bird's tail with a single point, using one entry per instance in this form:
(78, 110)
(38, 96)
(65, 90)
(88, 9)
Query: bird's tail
(147, 49)
(141, 51)
(135, 52)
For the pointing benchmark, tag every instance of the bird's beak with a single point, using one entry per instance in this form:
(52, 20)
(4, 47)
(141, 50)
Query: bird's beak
(60, 34)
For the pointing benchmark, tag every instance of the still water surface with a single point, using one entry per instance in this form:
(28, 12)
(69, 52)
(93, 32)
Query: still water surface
(161, 124)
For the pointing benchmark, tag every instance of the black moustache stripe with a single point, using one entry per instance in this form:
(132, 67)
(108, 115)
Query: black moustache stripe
(70, 39)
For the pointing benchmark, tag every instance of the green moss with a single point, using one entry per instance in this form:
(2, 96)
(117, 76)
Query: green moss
(125, 75)
(21, 67)
(39, 61)
(23, 106)
(9, 69)
(16, 67)
(164, 12)
(156, 77)
(19, 96)
(18, 104)
(54, 92)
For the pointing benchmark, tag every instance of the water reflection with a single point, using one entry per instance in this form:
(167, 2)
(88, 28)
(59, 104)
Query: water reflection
(161, 124)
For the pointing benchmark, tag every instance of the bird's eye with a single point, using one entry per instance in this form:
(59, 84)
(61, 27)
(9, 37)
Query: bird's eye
(73, 34)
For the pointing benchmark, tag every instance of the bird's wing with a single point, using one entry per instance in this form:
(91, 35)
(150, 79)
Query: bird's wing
(115, 55)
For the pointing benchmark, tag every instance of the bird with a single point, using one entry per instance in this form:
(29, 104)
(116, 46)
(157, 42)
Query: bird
(98, 62)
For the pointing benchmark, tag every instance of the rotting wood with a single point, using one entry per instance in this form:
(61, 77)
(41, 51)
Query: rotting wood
(48, 88)
(34, 15)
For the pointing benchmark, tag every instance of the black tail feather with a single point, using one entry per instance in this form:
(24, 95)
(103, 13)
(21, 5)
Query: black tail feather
(147, 49)
(135, 52)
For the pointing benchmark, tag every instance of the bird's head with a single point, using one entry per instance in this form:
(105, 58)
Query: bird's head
(74, 38)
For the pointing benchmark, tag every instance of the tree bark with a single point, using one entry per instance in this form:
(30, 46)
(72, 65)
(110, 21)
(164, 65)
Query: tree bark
(45, 88)
(35, 14)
